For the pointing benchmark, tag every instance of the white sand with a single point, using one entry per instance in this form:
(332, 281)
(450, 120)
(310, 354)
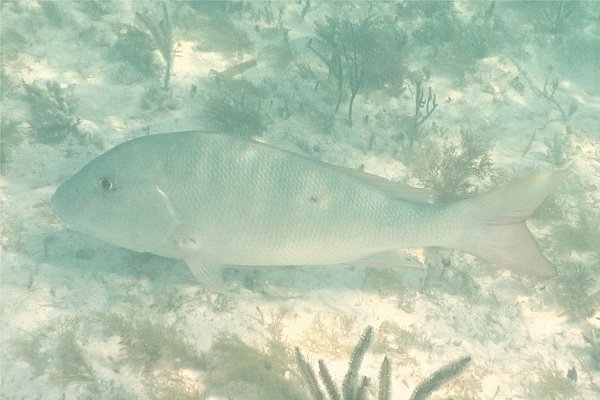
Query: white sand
(516, 329)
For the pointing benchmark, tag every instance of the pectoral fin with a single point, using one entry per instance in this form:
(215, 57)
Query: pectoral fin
(206, 271)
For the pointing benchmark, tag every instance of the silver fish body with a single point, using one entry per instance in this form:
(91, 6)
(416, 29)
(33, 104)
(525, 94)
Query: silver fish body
(216, 200)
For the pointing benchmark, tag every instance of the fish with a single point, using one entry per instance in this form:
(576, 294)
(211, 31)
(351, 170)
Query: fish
(216, 200)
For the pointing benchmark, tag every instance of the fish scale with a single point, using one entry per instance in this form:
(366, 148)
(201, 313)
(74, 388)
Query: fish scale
(213, 200)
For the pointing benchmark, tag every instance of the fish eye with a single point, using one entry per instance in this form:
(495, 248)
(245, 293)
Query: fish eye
(107, 185)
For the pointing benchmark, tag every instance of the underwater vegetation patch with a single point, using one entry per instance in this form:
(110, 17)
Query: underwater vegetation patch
(438, 27)
(454, 43)
(12, 136)
(235, 106)
(387, 65)
(550, 383)
(264, 372)
(57, 351)
(447, 276)
(385, 281)
(241, 369)
(162, 35)
(158, 99)
(135, 47)
(354, 389)
(436, 380)
(70, 363)
(548, 93)
(594, 341)
(440, 275)
(454, 170)
(52, 109)
(157, 350)
(575, 290)
(581, 234)
(62, 356)
(358, 53)
(388, 282)
(560, 148)
(328, 335)
(269, 20)
(394, 338)
(575, 236)
(171, 367)
(425, 105)
(351, 389)
(147, 344)
(29, 347)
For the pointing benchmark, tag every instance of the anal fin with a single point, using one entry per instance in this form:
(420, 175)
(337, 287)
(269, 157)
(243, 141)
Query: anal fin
(205, 270)
(387, 259)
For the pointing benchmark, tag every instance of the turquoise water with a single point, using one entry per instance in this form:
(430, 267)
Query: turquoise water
(456, 97)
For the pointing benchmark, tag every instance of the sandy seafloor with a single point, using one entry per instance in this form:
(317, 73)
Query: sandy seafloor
(82, 319)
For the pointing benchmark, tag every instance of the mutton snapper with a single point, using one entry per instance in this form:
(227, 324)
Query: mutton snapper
(215, 200)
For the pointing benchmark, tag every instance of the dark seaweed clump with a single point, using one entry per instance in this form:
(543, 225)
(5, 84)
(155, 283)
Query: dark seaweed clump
(235, 106)
(454, 170)
(135, 47)
(366, 52)
(52, 109)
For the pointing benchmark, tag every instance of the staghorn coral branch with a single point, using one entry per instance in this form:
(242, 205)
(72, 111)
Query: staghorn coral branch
(439, 377)
(351, 379)
(309, 376)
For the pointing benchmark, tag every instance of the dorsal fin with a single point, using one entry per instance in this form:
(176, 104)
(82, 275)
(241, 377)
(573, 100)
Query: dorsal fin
(390, 189)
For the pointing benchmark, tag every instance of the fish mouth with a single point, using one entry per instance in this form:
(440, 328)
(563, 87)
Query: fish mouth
(71, 224)
(65, 213)
(58, 207)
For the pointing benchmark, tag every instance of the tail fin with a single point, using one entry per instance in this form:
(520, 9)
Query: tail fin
(499, 234)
